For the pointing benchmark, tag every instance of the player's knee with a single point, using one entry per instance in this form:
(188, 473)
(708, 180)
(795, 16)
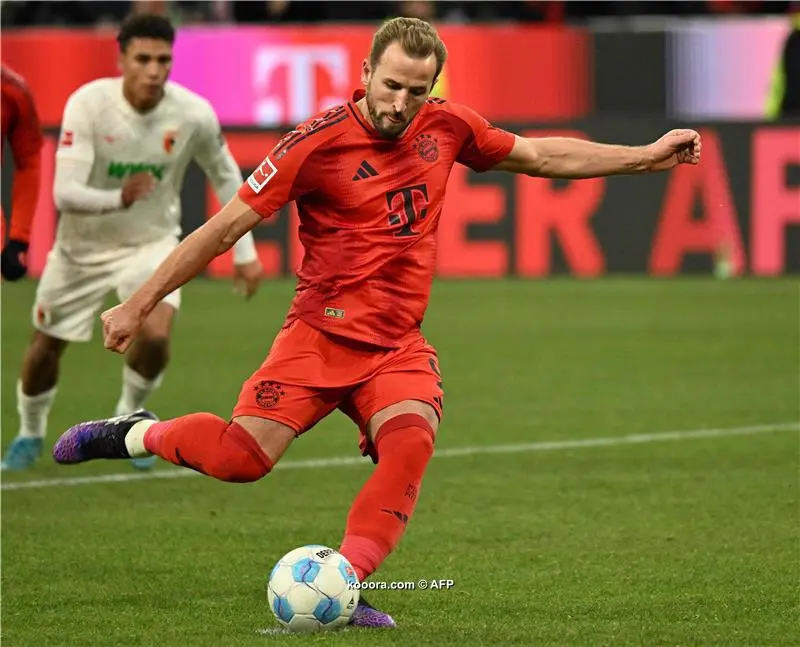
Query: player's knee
(420, 441)
(156, 346)
(42, 356)
(240, 459)
(409, 433)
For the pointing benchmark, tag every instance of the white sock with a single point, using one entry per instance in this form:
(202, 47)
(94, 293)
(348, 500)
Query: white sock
(135, 390)
(33, 411)
(134, 439)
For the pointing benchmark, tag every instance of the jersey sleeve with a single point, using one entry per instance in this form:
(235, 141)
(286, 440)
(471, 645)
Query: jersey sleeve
(74, 160)
(25, 140)
(285, 174)
(77, 131)
(215, 158)
(484, 145)
(26, 136)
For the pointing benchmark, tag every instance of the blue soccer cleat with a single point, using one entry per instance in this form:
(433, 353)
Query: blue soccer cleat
(144, 462)
(22, 453)
(88, 441)
(365, 615)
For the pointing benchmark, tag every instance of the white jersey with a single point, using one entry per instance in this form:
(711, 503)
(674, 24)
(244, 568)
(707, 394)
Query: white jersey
(104, 140)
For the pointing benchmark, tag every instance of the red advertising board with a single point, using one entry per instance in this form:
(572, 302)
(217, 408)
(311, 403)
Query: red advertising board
(743, 199)
(274, 76)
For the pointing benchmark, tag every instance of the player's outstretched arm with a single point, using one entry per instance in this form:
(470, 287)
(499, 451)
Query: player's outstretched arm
(187, 260)
(564, 157)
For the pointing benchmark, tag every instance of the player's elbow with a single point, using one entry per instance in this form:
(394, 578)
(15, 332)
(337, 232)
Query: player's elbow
(30, 162)
(60, 198)
(534, 161)
(233, 222)
(65, 198)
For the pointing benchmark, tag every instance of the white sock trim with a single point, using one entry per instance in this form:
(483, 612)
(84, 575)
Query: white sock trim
(135, 390)
(134, 439)
(33, 411)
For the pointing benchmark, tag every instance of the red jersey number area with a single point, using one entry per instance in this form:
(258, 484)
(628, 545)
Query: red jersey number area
(369, 209)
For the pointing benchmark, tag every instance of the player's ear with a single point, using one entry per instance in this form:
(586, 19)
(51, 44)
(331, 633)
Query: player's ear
(365, 72)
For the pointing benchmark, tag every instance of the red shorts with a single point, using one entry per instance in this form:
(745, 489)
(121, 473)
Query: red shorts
(308, 374)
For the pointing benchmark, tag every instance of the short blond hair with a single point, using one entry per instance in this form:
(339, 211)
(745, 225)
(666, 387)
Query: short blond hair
(417, 38)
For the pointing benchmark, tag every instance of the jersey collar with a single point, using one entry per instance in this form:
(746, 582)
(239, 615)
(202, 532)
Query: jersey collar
(367, 126)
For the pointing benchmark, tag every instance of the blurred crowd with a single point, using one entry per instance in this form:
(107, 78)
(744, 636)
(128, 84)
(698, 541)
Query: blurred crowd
(27, 13)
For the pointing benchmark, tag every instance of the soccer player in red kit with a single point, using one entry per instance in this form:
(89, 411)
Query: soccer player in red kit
(20, 126)
(369, 181)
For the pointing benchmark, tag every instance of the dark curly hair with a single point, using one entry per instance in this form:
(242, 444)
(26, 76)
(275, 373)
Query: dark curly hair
(145, 25)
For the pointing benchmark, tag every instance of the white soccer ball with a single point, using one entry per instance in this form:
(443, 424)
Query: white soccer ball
(313, 588)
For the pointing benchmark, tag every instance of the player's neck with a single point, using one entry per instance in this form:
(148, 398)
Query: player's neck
(361, 104)
(139, 106)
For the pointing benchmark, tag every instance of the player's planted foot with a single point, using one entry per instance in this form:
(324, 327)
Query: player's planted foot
(365, 615)
(22, 453)
(97, 438)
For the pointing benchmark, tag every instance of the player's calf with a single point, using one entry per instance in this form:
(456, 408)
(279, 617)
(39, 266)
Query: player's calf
(209, 445)
(200, 441)
(383, 507)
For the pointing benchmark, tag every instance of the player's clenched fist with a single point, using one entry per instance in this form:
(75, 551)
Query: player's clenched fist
(137, 187)
(120, 326)
(680, 146)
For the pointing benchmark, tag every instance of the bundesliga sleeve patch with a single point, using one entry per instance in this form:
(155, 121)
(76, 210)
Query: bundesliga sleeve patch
(262, 175)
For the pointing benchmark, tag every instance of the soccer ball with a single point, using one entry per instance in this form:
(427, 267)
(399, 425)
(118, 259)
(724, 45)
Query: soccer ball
(312, 588)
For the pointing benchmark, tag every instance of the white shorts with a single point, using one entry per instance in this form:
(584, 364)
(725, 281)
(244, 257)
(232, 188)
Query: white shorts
(69, 296)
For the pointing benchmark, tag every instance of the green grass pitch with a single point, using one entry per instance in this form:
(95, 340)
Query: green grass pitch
(679, 540)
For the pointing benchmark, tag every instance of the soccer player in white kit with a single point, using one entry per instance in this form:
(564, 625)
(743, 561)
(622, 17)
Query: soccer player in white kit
(125, 146)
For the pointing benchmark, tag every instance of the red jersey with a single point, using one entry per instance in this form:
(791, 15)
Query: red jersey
(20, 124)
(369, 210)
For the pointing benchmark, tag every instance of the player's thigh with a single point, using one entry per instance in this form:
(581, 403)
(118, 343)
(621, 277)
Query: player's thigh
(272, 436)
(69, 297)
(410, 383)
(141, 266)
(272, 393)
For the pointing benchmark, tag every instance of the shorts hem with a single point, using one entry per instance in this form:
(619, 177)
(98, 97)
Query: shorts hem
(258, 412)
(72, 339)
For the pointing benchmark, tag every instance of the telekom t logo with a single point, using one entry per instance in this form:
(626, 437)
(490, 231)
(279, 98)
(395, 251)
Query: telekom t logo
(285, 79)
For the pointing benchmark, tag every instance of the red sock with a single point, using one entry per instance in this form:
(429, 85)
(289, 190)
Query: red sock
(382, 509)
(209, 445)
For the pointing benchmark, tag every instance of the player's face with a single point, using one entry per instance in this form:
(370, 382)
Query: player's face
(397, 88)
(145, 64)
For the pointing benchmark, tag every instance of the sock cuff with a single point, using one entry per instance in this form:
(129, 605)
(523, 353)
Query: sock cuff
(35, 399)
(363, 553)
(404, 421)
(139, 381)
(240, 436)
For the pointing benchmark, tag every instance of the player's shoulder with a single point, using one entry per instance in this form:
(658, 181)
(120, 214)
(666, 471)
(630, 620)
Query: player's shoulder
(186, 98)
(436, 107)
(96, 91)
(13, 80)
(316, 132)
(192, 106)
(457, 119)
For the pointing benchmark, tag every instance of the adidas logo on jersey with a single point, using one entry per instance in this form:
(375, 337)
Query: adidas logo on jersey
(364, 171)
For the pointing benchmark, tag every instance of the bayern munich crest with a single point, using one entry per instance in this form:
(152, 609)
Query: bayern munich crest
(427, 147)
(268, 394)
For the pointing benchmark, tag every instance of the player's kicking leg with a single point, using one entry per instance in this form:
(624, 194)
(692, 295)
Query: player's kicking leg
(240, 451)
